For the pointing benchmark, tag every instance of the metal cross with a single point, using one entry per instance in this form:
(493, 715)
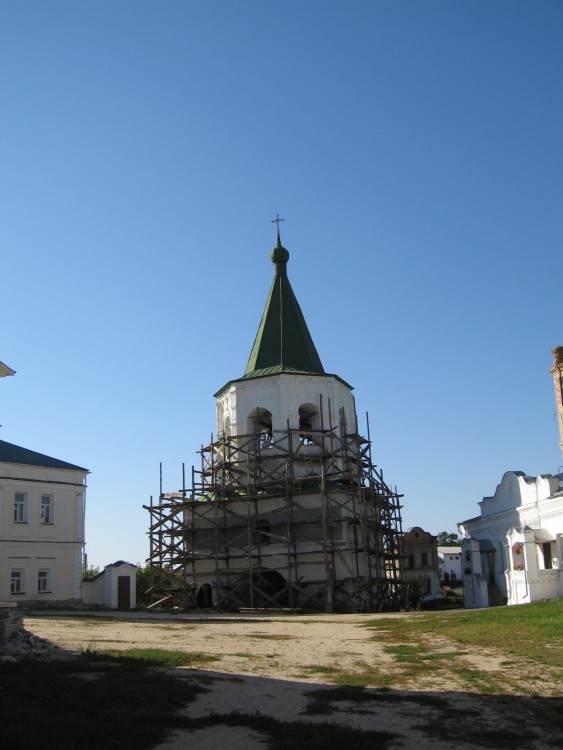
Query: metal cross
(277, 221)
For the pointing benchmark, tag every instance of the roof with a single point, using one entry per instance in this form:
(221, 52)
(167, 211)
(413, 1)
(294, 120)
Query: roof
(5, 370)
(13, 454)
(283, 342)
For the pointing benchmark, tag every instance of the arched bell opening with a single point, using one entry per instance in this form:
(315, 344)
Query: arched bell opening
(260, 424)
(308, 421)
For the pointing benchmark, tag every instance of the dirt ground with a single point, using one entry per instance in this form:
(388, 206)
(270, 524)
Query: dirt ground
(268, 664)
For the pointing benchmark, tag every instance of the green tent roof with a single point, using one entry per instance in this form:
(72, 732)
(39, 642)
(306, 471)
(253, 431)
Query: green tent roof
(283, 342)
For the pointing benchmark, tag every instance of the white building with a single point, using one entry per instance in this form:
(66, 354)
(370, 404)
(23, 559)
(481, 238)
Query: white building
(115, 587)
(42, 509)
(286, 508)
(450, 564)
(513, 551)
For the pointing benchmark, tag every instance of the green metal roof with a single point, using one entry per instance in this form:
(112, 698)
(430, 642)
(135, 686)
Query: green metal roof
(13, 454)
(283, 342)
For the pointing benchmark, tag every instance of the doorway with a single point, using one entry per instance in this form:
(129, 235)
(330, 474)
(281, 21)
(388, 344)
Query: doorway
(123, 592)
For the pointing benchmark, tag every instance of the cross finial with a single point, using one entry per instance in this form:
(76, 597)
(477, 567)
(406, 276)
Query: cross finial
(277, 221)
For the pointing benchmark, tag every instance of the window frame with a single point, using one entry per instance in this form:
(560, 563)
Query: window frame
(17, 575)
(20, 507)
(44, 575)
(50, 507)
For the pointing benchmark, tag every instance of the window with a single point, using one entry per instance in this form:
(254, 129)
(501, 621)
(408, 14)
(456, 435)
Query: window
(46, 509)
(424, 560)
(17, 581)
(411, 561)
(546, 553)
(260, 423)
(20, 507)
(43, 581)
(307, 416)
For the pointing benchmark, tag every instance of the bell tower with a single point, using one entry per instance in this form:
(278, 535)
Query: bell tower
(286, 507)
(284, 385)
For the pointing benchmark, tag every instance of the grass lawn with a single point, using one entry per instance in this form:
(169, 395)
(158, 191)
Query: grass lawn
(534, 631)
(89, 702)
(526, 640)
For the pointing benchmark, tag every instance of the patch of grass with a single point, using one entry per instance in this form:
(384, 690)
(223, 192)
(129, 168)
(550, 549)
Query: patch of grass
(321, 698)
(529, 630)
(161, 657)
(481, 682)
(131, 707)
(272, 636)
(322, 701)
(478, 735)
(319, 669)
(443, 655)
(405, 653)
(300, 735)
(366, 679)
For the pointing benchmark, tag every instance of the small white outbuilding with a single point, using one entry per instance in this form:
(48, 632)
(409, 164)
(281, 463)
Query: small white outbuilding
(115, 587)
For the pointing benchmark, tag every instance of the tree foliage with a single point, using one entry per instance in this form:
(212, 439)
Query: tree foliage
(448, 539)
(90, 573)
(413, 590)
(143, 576)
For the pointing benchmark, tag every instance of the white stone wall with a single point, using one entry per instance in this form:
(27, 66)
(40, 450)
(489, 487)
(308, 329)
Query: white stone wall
(282, 395)
(103, 590)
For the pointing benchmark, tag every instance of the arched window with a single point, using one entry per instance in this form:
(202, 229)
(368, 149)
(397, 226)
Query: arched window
(307, 422)
(204, 596)
(227, 427)
(424, 559)
(260, 423)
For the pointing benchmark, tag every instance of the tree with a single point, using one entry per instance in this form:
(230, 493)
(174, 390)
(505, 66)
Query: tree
(90, 573)
(143, 576)
(413, 588)
(447, 539)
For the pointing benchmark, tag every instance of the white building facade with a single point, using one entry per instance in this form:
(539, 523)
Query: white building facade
(512, 553)
(42, 517)
(450, 564)
(516, 544)
(114, 588)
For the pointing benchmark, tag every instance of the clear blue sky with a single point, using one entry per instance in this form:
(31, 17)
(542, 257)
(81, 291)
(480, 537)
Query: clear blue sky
(414, 149)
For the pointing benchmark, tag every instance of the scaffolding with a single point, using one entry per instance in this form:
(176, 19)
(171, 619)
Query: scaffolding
(294, 518)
